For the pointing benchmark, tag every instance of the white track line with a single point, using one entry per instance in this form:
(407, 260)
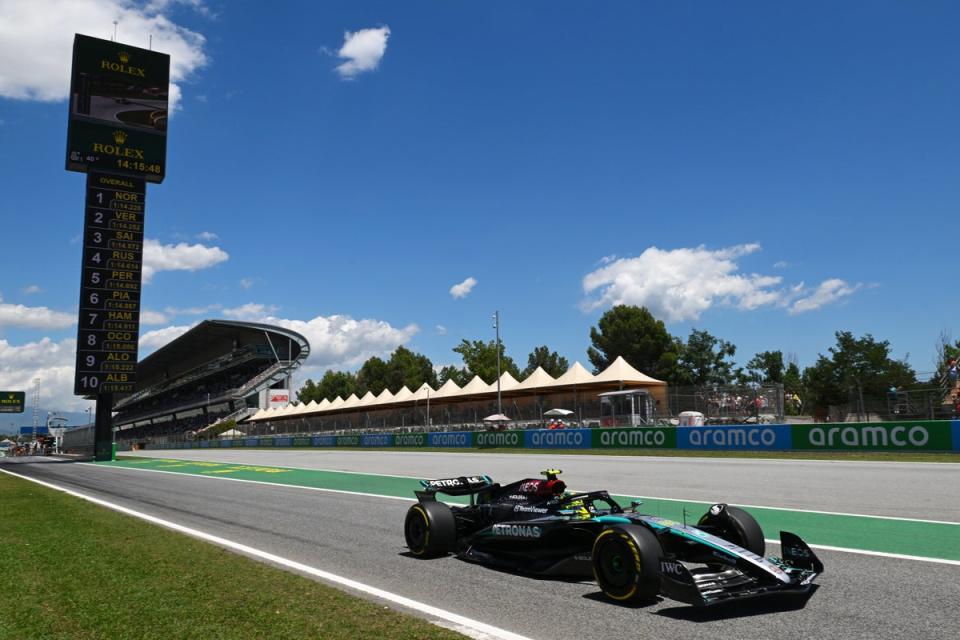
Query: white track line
(826, 513)
(460, 623)
(882, 554)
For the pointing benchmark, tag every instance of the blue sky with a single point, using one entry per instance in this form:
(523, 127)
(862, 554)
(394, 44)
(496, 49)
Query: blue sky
(768, 172)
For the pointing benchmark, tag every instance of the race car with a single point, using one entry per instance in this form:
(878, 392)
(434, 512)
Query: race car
(536, 526)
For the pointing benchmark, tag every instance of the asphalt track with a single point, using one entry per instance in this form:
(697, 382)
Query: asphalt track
(360, 537)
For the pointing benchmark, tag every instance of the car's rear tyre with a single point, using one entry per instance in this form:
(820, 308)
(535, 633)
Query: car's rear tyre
(430, 529)
(737, 526)
(626, 563)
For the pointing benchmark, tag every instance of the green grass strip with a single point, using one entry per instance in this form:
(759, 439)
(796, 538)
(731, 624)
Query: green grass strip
(887, 535)
(74, 571)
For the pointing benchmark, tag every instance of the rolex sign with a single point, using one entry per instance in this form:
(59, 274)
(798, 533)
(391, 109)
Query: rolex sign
(119, 104)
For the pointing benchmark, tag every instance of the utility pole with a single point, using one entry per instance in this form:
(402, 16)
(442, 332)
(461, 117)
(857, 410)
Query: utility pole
(496, 325)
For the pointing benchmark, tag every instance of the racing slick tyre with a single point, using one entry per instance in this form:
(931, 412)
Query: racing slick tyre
(430, 529)
(737, 526)
(626, 563)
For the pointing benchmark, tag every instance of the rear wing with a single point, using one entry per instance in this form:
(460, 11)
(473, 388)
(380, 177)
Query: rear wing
(462, 486)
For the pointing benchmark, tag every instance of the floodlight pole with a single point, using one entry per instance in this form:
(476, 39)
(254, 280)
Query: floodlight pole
(496, 325)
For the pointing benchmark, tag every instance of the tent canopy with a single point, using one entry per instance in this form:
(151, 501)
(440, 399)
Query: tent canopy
(558, 412)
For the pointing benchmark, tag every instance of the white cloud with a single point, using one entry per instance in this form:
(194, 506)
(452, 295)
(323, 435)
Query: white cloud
(153, 340)
(31, 289)
(246, 283)
(250, 311)
(52, 362)
(18, 315)
(192, 311)
(362, 50)
(781, 264)
(680, 284)
(462, 289)
(828, 292)
(208, 236)
(37, 41)
(153, 317)
(440, 330)
(340, 342)
(179, 257)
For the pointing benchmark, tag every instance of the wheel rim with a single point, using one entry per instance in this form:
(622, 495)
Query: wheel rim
(618, 572)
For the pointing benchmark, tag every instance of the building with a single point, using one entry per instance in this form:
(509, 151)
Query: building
(219, 369)
(525, 402)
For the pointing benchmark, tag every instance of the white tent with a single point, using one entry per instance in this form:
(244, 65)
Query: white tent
(425, 391)
(385, 396)
(574, 375)
(507, 382)
(475, 386)
(232, 433)
(403, 394)
(536, 380)
(449, 388)
(620, 371)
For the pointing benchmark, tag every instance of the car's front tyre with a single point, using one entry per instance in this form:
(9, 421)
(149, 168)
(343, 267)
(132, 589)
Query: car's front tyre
(430, 529)
(626, 563)
(737, 526)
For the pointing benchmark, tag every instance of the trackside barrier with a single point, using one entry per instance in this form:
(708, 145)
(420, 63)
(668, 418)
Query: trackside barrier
(919, 435)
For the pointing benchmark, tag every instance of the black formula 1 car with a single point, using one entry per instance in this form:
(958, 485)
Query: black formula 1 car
(536, 526)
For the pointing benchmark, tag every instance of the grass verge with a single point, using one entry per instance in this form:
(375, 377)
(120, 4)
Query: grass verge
(76, 570)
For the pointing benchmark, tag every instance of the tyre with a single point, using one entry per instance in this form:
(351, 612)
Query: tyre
(626, 563)
(430, 529)
(737, 526)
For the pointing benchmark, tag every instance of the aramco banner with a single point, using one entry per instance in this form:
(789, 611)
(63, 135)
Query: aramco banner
(921, 435)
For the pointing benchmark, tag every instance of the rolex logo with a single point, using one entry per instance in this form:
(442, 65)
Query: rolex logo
(124, 57)
(119, 136)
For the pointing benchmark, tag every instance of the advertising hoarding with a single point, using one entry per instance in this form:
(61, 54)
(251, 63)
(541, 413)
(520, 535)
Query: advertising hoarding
(119, 106)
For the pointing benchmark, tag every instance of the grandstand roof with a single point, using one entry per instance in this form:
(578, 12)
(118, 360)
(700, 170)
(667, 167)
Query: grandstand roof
(211, 338)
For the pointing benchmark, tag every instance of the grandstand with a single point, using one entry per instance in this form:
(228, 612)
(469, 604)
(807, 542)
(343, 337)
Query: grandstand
(218, 370)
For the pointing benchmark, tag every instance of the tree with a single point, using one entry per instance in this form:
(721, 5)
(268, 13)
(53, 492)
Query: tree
(480, 359)
(947, 349)
(767, 367)
(408, 369)
(633, 333)
(336, 383)
(308, 392)
(704, 360)
(460, 376)
(553, 363)
(372, 377)
(856, 365)
(792, 379)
